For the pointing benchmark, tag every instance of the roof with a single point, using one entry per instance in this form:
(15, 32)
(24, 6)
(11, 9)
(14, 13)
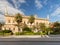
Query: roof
(28, 17)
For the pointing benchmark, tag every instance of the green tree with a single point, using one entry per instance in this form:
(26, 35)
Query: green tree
(31, 20)
(1, 24)
(48, 30)
(56, 28)
(56, 24)
(42, 27)
(36, 27)
(18, 19)
(33, 27)
(25, 28)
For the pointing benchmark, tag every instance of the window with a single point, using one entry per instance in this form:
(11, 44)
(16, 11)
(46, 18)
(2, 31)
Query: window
(8, 21)
(27, 22)
(4, 28)
(13, 21)
(24, 22)
(37, 23)
(9, 28)
(13, 28)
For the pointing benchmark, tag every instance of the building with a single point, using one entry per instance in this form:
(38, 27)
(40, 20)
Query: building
(10, 22)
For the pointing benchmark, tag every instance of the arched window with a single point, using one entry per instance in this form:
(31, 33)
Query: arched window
(24, 22)
(4, 28)
(8, 21)
(37, 23)
(13, 28)
(9, 28)
(13, 21)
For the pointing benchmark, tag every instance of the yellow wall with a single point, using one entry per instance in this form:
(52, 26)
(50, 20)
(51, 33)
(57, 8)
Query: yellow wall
(11, 24)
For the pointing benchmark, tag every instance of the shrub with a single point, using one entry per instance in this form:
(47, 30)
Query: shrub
(17, 33)
(27, 29)
(7, 31)
(1, 31)
(28, 33)
(24, 33)
(38, 33)
(1, 34)
(7, 34)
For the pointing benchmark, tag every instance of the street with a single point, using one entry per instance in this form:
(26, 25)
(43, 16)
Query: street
(30, 41)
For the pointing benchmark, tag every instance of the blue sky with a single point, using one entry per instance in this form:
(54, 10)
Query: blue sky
(42, 8)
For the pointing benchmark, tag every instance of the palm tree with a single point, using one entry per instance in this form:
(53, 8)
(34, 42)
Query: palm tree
(31, 20)
(18, 19)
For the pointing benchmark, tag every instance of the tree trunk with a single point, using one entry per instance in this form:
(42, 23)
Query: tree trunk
(31, 25)
(0, 28)
(18, 27)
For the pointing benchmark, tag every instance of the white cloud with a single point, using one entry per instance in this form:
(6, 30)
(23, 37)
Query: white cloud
(17, 3)
(4, 2)
(51, 6)
(22, 1)
(56, 12)
(38, 4)
(10, 8)
(45, 2)
(2, 18)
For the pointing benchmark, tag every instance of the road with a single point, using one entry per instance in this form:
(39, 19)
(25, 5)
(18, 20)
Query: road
(29, 41)
(52, 40)
(54, 35)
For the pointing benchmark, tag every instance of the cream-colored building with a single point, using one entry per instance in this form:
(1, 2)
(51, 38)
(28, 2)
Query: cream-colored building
(10, 22)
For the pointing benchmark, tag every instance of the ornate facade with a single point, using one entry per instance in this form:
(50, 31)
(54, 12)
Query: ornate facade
(10, 22)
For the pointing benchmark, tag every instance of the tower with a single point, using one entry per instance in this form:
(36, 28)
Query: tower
(6, 10)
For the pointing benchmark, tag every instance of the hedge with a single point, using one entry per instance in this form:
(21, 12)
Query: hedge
(6, 32)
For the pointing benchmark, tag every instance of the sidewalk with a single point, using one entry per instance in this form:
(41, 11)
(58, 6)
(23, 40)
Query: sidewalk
(26, 36)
